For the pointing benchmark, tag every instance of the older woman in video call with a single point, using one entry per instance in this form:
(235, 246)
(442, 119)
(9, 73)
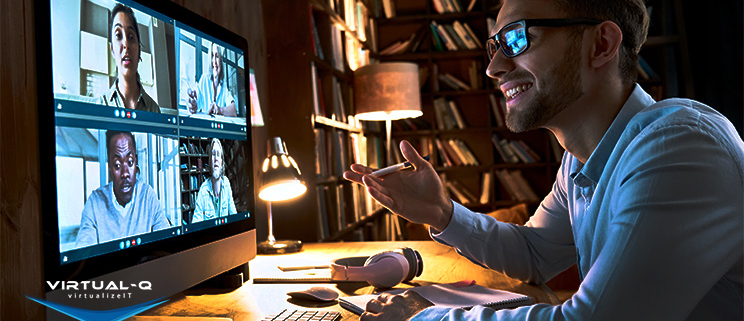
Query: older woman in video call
(212, 96)
(127, 91)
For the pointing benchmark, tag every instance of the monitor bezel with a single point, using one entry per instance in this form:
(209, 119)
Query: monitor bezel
(111, 262)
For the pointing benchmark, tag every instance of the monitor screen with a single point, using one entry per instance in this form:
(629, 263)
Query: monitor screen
(145, 115)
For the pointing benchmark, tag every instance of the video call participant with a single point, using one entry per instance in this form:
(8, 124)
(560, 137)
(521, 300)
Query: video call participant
(127, 91)
(125, 206)
(215, 197)
(648, 199)
(212, 96)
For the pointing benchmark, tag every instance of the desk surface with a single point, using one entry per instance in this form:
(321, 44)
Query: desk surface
(254, 301)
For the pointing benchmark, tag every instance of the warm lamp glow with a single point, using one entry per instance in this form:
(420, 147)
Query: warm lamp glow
(393, 115)
(280, 182)
(282, 191)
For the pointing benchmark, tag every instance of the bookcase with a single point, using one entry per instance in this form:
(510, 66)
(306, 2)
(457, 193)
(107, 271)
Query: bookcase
(193, 152)
(482, 164)
(313, 46)
(664, 68)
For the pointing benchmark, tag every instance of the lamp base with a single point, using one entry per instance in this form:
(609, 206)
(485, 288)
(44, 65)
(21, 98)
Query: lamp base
(279, 247)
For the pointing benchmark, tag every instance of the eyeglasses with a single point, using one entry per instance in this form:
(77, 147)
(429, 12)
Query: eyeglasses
(513, 40)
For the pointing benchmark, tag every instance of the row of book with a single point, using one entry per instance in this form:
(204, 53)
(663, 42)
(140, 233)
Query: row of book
(329, 45)
(191, 149)
(323, 87)
(451, 81)
(193, 183)
(512, 181)
(444, 6)
(455, 152)
(454, 36)
(447, 114)
(514, 151)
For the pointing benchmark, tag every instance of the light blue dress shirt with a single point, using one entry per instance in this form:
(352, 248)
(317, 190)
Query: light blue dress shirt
(209, 206)
(654, 219)
(207, 94)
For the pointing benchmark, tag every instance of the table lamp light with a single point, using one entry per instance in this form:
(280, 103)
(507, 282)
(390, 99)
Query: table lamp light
(280, 182)
(387, 91)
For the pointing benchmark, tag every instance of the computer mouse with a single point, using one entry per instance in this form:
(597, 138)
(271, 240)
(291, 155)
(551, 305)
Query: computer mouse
(316, 293)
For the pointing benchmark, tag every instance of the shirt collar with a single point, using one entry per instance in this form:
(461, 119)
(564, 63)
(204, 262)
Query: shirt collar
(116, 98)
(589, 173)
(122, 210)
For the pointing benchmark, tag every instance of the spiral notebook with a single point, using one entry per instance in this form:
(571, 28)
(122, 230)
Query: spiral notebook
(452, 295)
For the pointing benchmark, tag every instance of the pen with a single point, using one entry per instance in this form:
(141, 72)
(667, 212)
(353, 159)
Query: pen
(299, 268)
(394, 168)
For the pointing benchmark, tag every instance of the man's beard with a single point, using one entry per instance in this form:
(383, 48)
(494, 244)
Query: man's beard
(562, 88)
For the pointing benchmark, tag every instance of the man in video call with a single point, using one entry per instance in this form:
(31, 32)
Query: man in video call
(215, 198)
(212, 96)
(125, 206)
(648, 200)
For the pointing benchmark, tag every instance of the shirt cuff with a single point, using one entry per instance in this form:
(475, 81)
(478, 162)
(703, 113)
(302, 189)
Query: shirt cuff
(459, 229)
(431, 313)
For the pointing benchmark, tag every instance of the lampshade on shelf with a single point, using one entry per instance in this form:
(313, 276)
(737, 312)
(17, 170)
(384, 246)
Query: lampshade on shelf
(280, 181)
(387, 91)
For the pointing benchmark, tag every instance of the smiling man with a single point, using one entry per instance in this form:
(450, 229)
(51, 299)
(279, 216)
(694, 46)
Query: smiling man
(649, 198)
(125, 206)
(215, 198)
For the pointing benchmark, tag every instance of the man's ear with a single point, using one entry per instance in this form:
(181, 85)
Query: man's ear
(607, 40)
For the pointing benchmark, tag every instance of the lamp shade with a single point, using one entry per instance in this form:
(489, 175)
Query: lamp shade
(281, 179)
(387, 91)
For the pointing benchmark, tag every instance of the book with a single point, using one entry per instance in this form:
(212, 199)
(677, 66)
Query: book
(472, 34)
(456, 113)
(458, 84)
(388, 7)
(452, 295)
(486, 180)
(471, 5)
(496, 108)
(464, 35)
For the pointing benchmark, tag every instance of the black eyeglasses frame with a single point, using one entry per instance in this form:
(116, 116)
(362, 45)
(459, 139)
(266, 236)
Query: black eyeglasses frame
(526, 24)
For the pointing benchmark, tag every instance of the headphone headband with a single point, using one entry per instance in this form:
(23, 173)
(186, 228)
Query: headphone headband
(383, 270)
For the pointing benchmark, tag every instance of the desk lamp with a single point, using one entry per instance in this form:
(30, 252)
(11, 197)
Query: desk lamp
(280, 182)
(387, 91)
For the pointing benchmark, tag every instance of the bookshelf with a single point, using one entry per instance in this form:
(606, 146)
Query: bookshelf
(664, 69)
(462, 108)
(193, 153)
(313, 46)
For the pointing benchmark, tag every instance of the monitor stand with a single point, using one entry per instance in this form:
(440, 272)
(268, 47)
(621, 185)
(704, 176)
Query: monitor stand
(224, 282)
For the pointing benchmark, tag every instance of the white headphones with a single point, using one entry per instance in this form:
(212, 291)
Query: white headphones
(382, 270)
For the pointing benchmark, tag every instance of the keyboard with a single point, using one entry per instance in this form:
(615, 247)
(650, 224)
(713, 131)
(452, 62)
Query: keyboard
(305, 315)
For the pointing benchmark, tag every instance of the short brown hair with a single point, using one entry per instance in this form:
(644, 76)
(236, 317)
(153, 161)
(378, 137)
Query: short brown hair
(629, 15)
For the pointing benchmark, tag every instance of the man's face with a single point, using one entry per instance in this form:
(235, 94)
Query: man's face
(216, 62)
(122, 161)
(216, 161)
(124, 45)
(545, 79)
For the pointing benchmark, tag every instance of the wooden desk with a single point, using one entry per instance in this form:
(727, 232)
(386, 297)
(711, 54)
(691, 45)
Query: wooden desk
(254, 301)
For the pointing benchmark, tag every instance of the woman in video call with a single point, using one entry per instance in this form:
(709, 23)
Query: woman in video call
(211, 96)
(127, 91)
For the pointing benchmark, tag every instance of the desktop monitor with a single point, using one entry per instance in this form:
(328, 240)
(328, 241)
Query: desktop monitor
(146, 156)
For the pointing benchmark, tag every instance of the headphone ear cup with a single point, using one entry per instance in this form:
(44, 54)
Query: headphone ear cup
(415, 263)
(387, 269)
